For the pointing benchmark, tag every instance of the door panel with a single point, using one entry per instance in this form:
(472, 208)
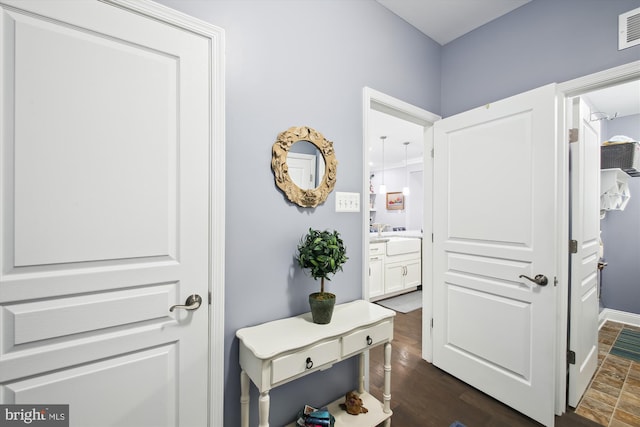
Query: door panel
(104, 213)
(140, 374)
(92, 213)
(505, 198)
(503, 317)
(35, 321)
(585, 229)
(494, 220)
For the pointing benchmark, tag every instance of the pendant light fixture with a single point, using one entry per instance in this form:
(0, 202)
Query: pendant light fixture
(405, 190)
(383, 187)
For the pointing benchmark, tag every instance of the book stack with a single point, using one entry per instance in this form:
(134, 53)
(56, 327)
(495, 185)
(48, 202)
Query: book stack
(312, 417)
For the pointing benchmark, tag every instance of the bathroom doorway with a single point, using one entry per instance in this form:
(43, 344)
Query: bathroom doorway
(374, 105)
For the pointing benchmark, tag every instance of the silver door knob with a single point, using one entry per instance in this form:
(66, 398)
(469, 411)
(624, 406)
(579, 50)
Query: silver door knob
(540, 279)
(193, 302)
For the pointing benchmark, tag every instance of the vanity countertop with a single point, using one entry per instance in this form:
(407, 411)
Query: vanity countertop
(386, 235)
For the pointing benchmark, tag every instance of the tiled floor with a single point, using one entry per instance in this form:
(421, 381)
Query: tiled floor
(613, 397)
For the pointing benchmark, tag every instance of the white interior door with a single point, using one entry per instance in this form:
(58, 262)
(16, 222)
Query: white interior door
(302, 169)
(106, 121)
(585, 230)
(494, 220)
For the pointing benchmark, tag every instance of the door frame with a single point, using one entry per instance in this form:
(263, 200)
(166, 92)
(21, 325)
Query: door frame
(374, 100)
(579, 86)
(216, 39)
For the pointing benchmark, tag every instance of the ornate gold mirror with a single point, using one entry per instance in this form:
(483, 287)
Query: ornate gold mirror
(304, 166)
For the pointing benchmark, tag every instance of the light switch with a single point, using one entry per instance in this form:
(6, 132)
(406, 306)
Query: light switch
(347, 202)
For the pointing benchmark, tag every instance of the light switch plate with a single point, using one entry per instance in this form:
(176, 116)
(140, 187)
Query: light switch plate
(347, 202)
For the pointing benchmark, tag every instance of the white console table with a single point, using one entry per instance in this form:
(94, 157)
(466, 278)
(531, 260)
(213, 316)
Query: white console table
(280, 351)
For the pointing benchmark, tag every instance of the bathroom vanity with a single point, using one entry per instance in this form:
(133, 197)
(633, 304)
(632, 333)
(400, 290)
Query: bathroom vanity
(395, 265)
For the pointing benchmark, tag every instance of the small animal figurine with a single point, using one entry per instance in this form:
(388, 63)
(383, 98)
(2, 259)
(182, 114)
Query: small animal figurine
(353, 404)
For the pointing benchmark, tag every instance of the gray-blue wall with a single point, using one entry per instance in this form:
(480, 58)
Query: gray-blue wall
(620, 286)
(295, 63)
(305, 62)
(541, 42)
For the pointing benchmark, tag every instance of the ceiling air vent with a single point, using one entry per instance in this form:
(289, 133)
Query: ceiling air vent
(629, 29)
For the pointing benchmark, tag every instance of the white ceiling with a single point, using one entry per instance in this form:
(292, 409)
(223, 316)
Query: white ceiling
(446, 20)
(623, 100)
(397, 131)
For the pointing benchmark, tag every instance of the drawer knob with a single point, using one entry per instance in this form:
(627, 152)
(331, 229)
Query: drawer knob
(309, 363)
(369, 340)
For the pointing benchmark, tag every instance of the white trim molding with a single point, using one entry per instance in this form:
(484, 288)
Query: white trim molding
(611, 77)
(627, 318)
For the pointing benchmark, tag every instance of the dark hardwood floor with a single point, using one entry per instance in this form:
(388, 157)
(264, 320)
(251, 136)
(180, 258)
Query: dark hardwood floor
(425, 396)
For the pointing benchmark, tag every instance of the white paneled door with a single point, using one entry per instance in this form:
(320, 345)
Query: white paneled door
(106, 122)
(495, 210)
(585, 230)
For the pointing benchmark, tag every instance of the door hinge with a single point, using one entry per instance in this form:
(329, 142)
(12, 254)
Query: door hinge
(432, 323)
(210, 298)
(432, 153)
(571, 357)
(573, 246)
(431, 237)
(555, 281)
(574, 133)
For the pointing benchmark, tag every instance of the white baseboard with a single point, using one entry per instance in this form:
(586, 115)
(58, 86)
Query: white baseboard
(619, 316)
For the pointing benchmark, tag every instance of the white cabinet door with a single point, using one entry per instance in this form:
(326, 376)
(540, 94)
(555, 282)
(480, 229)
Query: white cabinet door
(393, 277)
(376, 276)
(413, 273)
(403, 274)
(585, 230)
(104, 209)
(495, 210)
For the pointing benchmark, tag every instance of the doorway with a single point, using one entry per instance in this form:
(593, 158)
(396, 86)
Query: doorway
(382, 102)
(597, 203)
(375, 103)
(583, 86)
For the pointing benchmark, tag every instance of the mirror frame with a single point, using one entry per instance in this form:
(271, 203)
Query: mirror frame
(305, 198)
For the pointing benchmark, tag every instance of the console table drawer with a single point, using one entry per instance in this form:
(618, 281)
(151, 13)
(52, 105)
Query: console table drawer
(367, 337)
(296, 363)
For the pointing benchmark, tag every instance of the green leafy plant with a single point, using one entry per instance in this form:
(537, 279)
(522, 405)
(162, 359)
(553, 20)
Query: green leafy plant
(322, 253)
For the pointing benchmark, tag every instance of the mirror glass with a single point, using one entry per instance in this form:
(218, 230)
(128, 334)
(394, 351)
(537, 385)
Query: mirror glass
(304, 166)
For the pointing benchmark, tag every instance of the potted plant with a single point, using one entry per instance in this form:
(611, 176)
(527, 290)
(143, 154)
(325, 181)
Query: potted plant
(322, 253)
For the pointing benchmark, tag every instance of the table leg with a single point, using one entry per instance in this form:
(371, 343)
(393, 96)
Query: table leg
(386, 396)
(263, 409)
(244, 399)
(361, 374)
